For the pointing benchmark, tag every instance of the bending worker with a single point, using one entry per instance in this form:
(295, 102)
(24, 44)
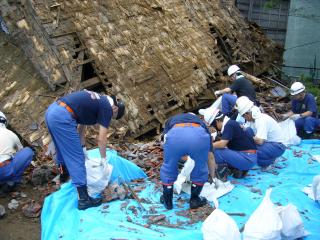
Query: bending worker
(14, 159)
(185, 134)
(77, 110)
(266, 132)
(236, 151)
(304, 111)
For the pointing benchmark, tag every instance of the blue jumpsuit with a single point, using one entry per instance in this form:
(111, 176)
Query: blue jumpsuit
(194, 141)
(227, 104)
(307, 124)
(241, 149)
(89, 108)
(14, 170)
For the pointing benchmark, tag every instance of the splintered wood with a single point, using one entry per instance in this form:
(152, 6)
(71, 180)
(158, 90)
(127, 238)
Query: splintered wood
(160, 57)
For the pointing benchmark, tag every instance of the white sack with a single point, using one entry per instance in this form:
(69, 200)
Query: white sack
(220, 226)
(264, 223)
(313, 190)
(292, 225)
(184, 176)
(98, 175)
(291, 137)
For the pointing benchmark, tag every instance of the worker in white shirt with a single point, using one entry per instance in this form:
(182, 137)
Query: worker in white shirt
(265, 130)
(14, 159)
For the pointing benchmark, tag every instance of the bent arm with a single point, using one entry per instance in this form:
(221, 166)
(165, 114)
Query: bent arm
(82, 131)
(220, 144)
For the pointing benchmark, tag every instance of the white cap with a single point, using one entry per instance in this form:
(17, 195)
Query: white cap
(233, 69)
(297, 88)
(243, 105)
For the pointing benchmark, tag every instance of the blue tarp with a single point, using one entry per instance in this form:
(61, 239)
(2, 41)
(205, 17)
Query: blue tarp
(60, 218)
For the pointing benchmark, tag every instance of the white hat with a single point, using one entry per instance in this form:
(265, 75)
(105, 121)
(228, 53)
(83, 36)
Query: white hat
(210, 114)
(233, 69)
(243, 105)
(297, 88)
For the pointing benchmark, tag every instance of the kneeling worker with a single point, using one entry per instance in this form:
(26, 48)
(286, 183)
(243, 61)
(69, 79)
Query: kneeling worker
(14, 159)
(186, 134)
(265, 131)
(236, 150)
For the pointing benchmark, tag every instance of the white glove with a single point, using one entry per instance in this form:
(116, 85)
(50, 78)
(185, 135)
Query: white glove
(217, 93)
(85, 153)
(295, 116)
(214, 135)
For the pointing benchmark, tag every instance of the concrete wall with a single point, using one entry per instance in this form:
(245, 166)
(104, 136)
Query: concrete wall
(303, 38)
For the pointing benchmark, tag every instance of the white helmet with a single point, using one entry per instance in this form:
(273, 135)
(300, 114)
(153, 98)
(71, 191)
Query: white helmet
(233, 69)
(297, 88)
(3, 119)
(211, 115)
(243, 105)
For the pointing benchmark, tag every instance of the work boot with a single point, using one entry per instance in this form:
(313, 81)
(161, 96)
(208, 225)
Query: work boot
(64, 174)
(237, 173)
(166, 198)
(222, 172)
(195, 200)
(85, 201)
(7, 188)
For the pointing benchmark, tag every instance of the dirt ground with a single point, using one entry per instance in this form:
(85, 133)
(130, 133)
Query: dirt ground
(14, 225)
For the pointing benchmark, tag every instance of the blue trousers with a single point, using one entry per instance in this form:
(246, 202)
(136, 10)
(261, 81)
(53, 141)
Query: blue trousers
(307, 124)
(235, 159)
(181, 141)
(228, 102)
(268, 152)
(13, 171)
(63, 130)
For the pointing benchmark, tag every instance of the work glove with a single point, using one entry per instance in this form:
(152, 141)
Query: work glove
(295, 117)
(214, 135)
(85, 152)
(217, 93)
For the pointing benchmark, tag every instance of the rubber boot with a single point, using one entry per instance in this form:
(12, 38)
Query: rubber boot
(64, 174)
(195, 200)
(6, 188)
(166, 198)
(85, 201)
(222, 172)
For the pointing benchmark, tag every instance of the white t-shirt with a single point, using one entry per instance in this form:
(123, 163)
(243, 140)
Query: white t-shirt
(9, 144)
(266, 128)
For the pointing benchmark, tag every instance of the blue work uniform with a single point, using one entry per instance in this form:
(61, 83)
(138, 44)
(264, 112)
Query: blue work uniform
(241, 151)
(87, 108)
(186, 134)
(307, 124)
(228, 102)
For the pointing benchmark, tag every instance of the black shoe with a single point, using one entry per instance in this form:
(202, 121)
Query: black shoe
(236, 173)
(6, 188)
(195, 200)
(85, 201)
(64, 174)
(166, 198)
(222, 172)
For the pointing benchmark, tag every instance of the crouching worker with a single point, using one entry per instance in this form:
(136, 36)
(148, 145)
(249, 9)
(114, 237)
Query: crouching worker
(236, 151)
(265, 131)
(79, 109)
(186, 134)
(14, 159)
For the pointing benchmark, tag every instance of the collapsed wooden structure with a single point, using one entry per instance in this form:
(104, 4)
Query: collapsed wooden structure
(161, 57)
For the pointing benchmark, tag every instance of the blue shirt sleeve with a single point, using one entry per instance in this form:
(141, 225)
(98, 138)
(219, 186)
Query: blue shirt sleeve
(104, 113)
(227, 132)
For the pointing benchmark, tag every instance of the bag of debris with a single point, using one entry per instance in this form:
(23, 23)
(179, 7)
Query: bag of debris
(264, 223)
(181, 183)
(290, 138)
(98, 175)
(220, 226)
(292, 225)
(316, 188)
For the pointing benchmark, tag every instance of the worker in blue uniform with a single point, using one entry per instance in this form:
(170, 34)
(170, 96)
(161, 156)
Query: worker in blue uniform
(14, 158)
(235, 151)
(185, 134)
(228, 103)
(304, 111)
(266, 132)
(66, 120)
